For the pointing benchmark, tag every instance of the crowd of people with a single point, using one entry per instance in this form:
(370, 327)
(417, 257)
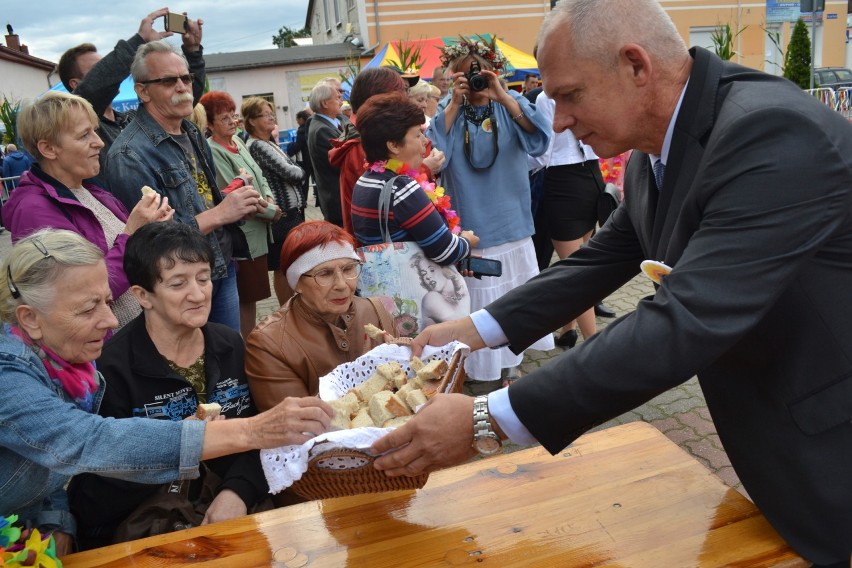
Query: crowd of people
(145, 239)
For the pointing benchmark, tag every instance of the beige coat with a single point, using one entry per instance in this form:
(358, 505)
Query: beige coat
(291, 349)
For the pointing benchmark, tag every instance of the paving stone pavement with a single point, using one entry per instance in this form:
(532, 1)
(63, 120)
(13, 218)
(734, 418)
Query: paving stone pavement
(680, 413)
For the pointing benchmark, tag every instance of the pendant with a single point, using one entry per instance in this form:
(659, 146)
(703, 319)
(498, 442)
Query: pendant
(486, 125)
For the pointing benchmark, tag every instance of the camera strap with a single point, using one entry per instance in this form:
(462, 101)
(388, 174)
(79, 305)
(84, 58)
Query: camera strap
(489, 113)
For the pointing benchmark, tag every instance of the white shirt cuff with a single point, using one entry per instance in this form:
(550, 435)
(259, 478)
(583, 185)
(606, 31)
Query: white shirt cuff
(500, 409)
(488, 328)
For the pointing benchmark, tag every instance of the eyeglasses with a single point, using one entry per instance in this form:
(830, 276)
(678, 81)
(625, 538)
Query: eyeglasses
(266, 115)
(228, 119)
(326, 276)
(43, 250)
(170, 81)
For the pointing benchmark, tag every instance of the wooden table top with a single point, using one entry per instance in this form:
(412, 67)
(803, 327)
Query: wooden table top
(626, 497)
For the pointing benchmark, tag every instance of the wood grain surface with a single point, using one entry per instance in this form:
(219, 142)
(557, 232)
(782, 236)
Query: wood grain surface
(626, 497)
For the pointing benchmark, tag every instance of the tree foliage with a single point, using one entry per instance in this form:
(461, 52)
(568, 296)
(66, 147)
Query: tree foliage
(286, 37)
(723, 41)
(9, 118)
(797, 61)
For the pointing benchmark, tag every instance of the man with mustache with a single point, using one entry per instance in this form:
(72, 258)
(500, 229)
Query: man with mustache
(163, 150)
(97, 79)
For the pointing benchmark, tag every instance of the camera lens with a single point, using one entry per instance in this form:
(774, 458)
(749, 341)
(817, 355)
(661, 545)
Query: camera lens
(478, 83)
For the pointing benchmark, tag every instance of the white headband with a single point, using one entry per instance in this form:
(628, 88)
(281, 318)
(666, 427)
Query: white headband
(315, 257)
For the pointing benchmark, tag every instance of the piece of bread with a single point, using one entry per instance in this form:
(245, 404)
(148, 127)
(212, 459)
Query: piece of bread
(347, 404)
(385, 405)
(341, 420)
(362, 419)
(429, 388)
(371, 386)
(396, 422)
(433, 370)
(147, 190)
(414, 399)
(416, 364)
(405, 389)
(210, 410)
(374, 332)
(393, 372)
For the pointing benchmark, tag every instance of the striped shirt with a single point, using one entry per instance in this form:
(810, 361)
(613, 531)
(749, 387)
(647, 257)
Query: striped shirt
(412, 217)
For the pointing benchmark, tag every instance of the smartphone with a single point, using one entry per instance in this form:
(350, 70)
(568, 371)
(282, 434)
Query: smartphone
(481, 266)
(176, 23)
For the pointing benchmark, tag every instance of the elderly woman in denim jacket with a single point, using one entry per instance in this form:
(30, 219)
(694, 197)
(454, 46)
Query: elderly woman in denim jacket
(54, 303)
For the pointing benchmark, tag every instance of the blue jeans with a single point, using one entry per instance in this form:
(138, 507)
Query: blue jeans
(225, 308)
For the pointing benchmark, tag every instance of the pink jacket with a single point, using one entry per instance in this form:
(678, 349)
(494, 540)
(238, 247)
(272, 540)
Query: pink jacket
(39, 201)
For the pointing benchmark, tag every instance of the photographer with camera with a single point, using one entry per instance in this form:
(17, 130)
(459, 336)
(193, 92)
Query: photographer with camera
(486, 134)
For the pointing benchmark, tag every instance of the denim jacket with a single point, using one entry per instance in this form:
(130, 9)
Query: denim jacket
(144, 154)
(45, 439)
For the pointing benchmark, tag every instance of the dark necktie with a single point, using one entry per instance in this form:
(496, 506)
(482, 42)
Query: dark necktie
(339, 127)
(659, 172)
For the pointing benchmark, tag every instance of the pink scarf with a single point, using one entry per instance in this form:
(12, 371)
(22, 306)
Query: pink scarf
(76, 379)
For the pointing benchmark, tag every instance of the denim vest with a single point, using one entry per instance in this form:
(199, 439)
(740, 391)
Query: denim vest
(144, 154)
(45, 439)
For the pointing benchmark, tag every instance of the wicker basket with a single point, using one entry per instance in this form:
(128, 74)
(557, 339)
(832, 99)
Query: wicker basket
(342, 472)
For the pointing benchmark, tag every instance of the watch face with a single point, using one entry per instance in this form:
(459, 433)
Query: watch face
(487, 445)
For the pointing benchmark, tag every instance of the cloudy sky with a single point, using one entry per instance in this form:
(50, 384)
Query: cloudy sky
(49, 27)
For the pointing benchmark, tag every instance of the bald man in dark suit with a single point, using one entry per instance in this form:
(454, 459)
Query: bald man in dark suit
(751, 209)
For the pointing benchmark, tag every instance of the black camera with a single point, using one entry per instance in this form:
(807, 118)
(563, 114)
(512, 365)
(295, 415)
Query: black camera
(475, 79)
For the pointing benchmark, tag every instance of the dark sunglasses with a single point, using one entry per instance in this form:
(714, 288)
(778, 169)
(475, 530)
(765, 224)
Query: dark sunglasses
(170, 81)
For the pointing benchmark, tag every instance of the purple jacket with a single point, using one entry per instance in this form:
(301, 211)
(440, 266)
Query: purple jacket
(40, 201)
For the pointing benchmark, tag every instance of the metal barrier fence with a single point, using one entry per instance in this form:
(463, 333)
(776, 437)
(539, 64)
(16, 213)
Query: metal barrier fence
(6, 185)
(839, 99)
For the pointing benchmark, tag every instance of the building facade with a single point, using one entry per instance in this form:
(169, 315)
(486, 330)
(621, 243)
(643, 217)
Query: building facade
(370, 24)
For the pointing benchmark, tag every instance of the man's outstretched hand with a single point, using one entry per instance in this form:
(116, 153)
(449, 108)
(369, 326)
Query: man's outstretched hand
(438, 436)
(440, 334)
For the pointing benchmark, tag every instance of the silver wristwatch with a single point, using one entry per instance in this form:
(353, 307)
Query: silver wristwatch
(485, 440)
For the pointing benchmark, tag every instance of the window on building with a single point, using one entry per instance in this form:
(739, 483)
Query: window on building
(325, 13)
(266, 96)
(336, 4)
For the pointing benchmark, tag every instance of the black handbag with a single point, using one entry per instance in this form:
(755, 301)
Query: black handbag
(289, 219)
(609, 197)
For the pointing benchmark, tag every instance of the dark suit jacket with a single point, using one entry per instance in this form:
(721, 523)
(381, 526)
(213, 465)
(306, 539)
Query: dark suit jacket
(754, 217)
(327, 177)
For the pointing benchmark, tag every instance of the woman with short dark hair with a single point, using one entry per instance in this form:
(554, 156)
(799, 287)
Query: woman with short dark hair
(393, 144)
(161, 366)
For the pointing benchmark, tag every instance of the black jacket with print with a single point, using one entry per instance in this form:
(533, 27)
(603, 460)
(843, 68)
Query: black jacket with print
(140, 382)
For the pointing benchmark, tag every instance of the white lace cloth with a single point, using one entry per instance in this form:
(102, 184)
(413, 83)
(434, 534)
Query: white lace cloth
(285, 465)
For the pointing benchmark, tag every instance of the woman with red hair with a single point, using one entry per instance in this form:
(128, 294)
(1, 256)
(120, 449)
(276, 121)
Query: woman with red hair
(233, 160)
(321, 326)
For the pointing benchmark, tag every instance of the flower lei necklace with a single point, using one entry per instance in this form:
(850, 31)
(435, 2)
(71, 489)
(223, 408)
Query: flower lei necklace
(437, 194)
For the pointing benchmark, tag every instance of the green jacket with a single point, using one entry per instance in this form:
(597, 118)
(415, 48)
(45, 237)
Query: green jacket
(258, 232)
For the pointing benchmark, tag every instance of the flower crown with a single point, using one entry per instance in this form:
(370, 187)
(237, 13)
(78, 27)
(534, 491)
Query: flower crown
(484, 48)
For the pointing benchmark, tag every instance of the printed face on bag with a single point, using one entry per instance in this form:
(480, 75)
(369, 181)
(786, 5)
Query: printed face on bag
(410, 149)
(328, 289)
